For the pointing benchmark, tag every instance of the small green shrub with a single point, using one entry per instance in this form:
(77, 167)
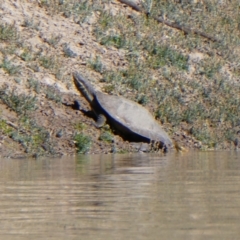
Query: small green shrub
(204, 134)
(80, 126)
(194, 112)
(115, 40)
(34, 84)
(208, 68)
(8, 32)
(27, 54)
(169, 112)
(112, 77)
(97, 65)
(9, 49)
(30, 23)
(54, 40)
(142, 99)
(230, 135)
(135, 77)
(160, 56)
(34, 139)
(53, 64)
(109, 88)
(106, 20)
(20, 103)
(9, 67)
(53, 95)
(106, 136)
(5, 128)
(82, 143)
(47, 62)
(78, 10)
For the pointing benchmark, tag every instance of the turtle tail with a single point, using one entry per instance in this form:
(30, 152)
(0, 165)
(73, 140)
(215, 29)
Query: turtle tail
(84, 87)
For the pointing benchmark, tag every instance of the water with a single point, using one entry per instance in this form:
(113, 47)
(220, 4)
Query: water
(195, 195)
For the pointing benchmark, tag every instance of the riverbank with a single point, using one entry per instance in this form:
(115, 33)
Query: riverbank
(188, 82)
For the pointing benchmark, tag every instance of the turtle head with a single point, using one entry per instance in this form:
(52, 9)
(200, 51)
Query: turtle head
(84, 87)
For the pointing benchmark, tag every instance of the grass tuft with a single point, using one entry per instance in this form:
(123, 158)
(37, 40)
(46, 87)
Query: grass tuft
(106, 136)
(19, 103)
(10, 68)
(82, 143)
(8, 32)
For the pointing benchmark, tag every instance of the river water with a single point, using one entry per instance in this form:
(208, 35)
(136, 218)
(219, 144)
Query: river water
(194, 195)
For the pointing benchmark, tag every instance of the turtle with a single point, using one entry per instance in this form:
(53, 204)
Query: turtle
(130, 119)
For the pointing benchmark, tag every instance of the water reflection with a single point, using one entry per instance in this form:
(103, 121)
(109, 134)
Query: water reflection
(195, 195)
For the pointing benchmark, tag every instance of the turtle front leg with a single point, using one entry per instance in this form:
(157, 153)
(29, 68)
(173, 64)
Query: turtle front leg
(77, 105)
(101, 120)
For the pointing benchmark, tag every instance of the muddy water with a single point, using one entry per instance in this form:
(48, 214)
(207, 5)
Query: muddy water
(188, 196)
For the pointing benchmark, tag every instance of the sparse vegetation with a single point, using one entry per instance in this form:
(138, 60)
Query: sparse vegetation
(80, 126)
(27, 133)
(30, 23)
(142, 99)
(48, 62)
(52, 94)
(34, 139)
(9, 67)
(8, 32)
(34, 84)
(97, 65)
(82, 142)
(54, 40)
(5, 129)
(79, 11)
(106, 136)
(109, 88)
(27, 54)
(19, 103)
(160, 56)
(52, 63)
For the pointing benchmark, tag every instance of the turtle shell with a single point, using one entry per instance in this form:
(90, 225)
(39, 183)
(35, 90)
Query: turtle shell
(132, 118)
